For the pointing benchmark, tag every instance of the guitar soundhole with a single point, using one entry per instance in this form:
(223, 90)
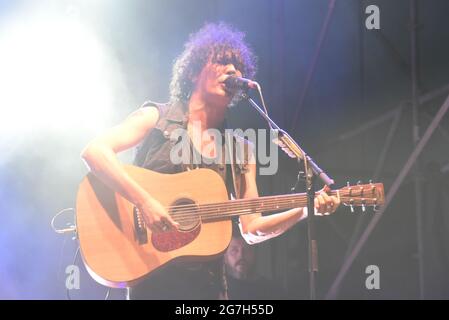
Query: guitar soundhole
(185, 212)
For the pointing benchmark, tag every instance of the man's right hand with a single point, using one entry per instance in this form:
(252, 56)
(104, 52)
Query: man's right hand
(156, 216)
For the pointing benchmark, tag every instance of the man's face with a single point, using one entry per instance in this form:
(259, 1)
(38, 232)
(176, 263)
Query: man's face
(239, 259)
(210, 83)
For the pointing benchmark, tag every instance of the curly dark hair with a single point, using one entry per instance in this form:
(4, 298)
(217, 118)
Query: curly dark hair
(217, 42)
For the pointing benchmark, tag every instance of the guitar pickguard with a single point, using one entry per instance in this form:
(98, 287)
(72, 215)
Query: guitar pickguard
(171, 240)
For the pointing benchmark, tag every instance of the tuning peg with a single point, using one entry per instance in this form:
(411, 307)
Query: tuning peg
(352, 208)
(348, 184)
(370, 181)
(376, 208)
(359, 182)
(363, 207)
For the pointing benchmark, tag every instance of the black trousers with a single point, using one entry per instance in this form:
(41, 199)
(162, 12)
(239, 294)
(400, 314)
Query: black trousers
(199, 281)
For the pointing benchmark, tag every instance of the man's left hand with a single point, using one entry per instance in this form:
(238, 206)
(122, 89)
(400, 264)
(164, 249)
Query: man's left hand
(324, 203)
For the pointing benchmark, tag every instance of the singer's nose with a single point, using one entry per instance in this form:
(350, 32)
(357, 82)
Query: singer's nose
(232, 71)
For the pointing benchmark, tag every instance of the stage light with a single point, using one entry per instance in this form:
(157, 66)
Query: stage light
(55, 75)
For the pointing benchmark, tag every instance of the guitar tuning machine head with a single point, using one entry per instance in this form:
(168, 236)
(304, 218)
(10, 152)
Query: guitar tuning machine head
(359, 182)
(348, 184)
(352, 208)
(363, 207)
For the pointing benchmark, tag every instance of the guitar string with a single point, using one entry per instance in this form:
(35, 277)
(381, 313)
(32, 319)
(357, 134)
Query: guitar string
(240, 210)
(226, 215)
(268, 198)
(186, 209)
(261, 205)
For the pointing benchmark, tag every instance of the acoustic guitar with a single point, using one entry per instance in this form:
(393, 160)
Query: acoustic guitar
(119, 250)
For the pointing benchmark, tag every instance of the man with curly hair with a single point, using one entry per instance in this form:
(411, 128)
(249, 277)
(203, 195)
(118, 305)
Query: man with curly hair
(199, 101)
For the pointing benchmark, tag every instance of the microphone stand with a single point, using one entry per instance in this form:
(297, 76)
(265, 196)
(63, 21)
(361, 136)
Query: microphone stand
(311, 171)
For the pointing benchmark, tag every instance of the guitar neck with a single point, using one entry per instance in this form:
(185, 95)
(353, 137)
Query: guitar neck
(352, 196)
(256, 205)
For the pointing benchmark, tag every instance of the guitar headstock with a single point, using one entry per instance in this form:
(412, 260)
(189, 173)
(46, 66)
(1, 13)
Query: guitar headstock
(362, 195)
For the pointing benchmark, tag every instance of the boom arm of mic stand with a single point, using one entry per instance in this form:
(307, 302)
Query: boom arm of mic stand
(286, 143)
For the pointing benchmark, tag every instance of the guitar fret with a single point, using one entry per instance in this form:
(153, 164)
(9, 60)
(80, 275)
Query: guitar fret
(268, 204)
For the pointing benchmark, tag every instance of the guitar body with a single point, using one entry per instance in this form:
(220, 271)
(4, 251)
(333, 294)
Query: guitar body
(119, 252)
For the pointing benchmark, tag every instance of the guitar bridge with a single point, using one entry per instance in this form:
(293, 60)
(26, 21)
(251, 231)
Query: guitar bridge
(140, 230)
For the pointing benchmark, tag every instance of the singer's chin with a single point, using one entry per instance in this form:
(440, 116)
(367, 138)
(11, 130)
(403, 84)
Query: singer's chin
(220, 98)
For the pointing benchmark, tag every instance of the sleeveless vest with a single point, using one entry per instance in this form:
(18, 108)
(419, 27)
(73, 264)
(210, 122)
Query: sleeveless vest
(154, 152)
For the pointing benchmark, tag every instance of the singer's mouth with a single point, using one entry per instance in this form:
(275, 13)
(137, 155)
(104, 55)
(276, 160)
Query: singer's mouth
(222, 84)
(228, 91)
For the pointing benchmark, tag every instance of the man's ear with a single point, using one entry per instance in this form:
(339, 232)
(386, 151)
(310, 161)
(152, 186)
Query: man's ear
(193, 78)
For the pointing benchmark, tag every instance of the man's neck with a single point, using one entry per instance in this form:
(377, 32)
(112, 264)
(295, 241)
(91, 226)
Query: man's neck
(209, 115)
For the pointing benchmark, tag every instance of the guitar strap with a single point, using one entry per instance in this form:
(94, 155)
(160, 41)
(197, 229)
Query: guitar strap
(235, 146)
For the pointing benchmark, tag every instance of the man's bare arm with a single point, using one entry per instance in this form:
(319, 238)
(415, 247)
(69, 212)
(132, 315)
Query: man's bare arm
(100, 157)
(257, 228)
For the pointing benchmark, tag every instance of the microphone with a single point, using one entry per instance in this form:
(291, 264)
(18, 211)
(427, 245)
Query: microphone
(233, 82)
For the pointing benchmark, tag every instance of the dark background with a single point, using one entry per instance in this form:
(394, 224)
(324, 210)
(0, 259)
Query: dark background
(360, 76)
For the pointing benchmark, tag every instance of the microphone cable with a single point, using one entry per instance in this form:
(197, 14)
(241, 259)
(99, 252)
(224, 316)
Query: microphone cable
(71, 227)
